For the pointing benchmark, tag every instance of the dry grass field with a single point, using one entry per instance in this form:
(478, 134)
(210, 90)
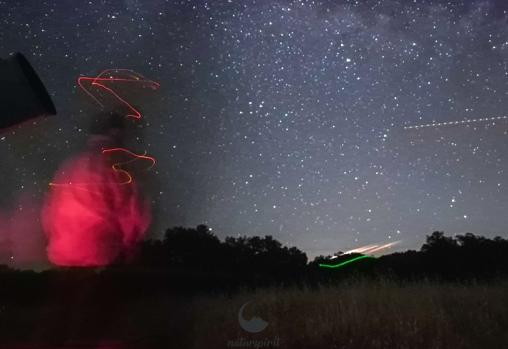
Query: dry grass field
(362, 314)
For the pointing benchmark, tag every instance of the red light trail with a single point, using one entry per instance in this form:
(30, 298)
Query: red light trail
(116, 166)
(107, 77)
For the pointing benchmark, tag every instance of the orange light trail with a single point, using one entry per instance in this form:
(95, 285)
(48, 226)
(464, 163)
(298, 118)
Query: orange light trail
(106, 77)
(116, 166)
(100, 81)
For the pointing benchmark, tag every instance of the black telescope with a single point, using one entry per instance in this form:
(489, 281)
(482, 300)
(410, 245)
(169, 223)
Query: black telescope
(22, 93)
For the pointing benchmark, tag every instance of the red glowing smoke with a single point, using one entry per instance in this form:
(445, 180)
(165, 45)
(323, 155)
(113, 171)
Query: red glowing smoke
(92, 214)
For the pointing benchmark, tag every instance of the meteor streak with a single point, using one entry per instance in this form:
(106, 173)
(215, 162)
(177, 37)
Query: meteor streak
(372, 248)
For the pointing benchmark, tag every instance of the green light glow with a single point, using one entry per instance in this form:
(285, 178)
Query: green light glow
(349, 261)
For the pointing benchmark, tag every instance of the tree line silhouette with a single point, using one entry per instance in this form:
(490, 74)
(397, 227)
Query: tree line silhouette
(190, 260)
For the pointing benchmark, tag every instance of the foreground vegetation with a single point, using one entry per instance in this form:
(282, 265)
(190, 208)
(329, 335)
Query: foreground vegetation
(354, 314)
(368, 314)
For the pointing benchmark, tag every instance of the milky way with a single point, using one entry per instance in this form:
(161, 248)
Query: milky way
(289, 118)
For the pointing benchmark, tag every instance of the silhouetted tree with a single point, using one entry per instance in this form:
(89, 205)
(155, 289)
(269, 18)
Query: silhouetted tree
(197, 247)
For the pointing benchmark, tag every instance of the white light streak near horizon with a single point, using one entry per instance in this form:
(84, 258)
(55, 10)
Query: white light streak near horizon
(454, 123)
(372, 248)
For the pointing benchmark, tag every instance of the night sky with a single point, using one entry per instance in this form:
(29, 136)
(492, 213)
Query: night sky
(284, 118)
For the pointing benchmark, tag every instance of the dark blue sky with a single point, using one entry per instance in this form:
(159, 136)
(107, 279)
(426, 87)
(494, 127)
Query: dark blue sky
(286, 117)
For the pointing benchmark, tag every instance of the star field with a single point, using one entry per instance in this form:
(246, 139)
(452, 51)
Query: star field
(289, 118)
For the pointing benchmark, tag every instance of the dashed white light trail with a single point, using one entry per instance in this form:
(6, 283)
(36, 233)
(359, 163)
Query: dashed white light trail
(454, 123)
